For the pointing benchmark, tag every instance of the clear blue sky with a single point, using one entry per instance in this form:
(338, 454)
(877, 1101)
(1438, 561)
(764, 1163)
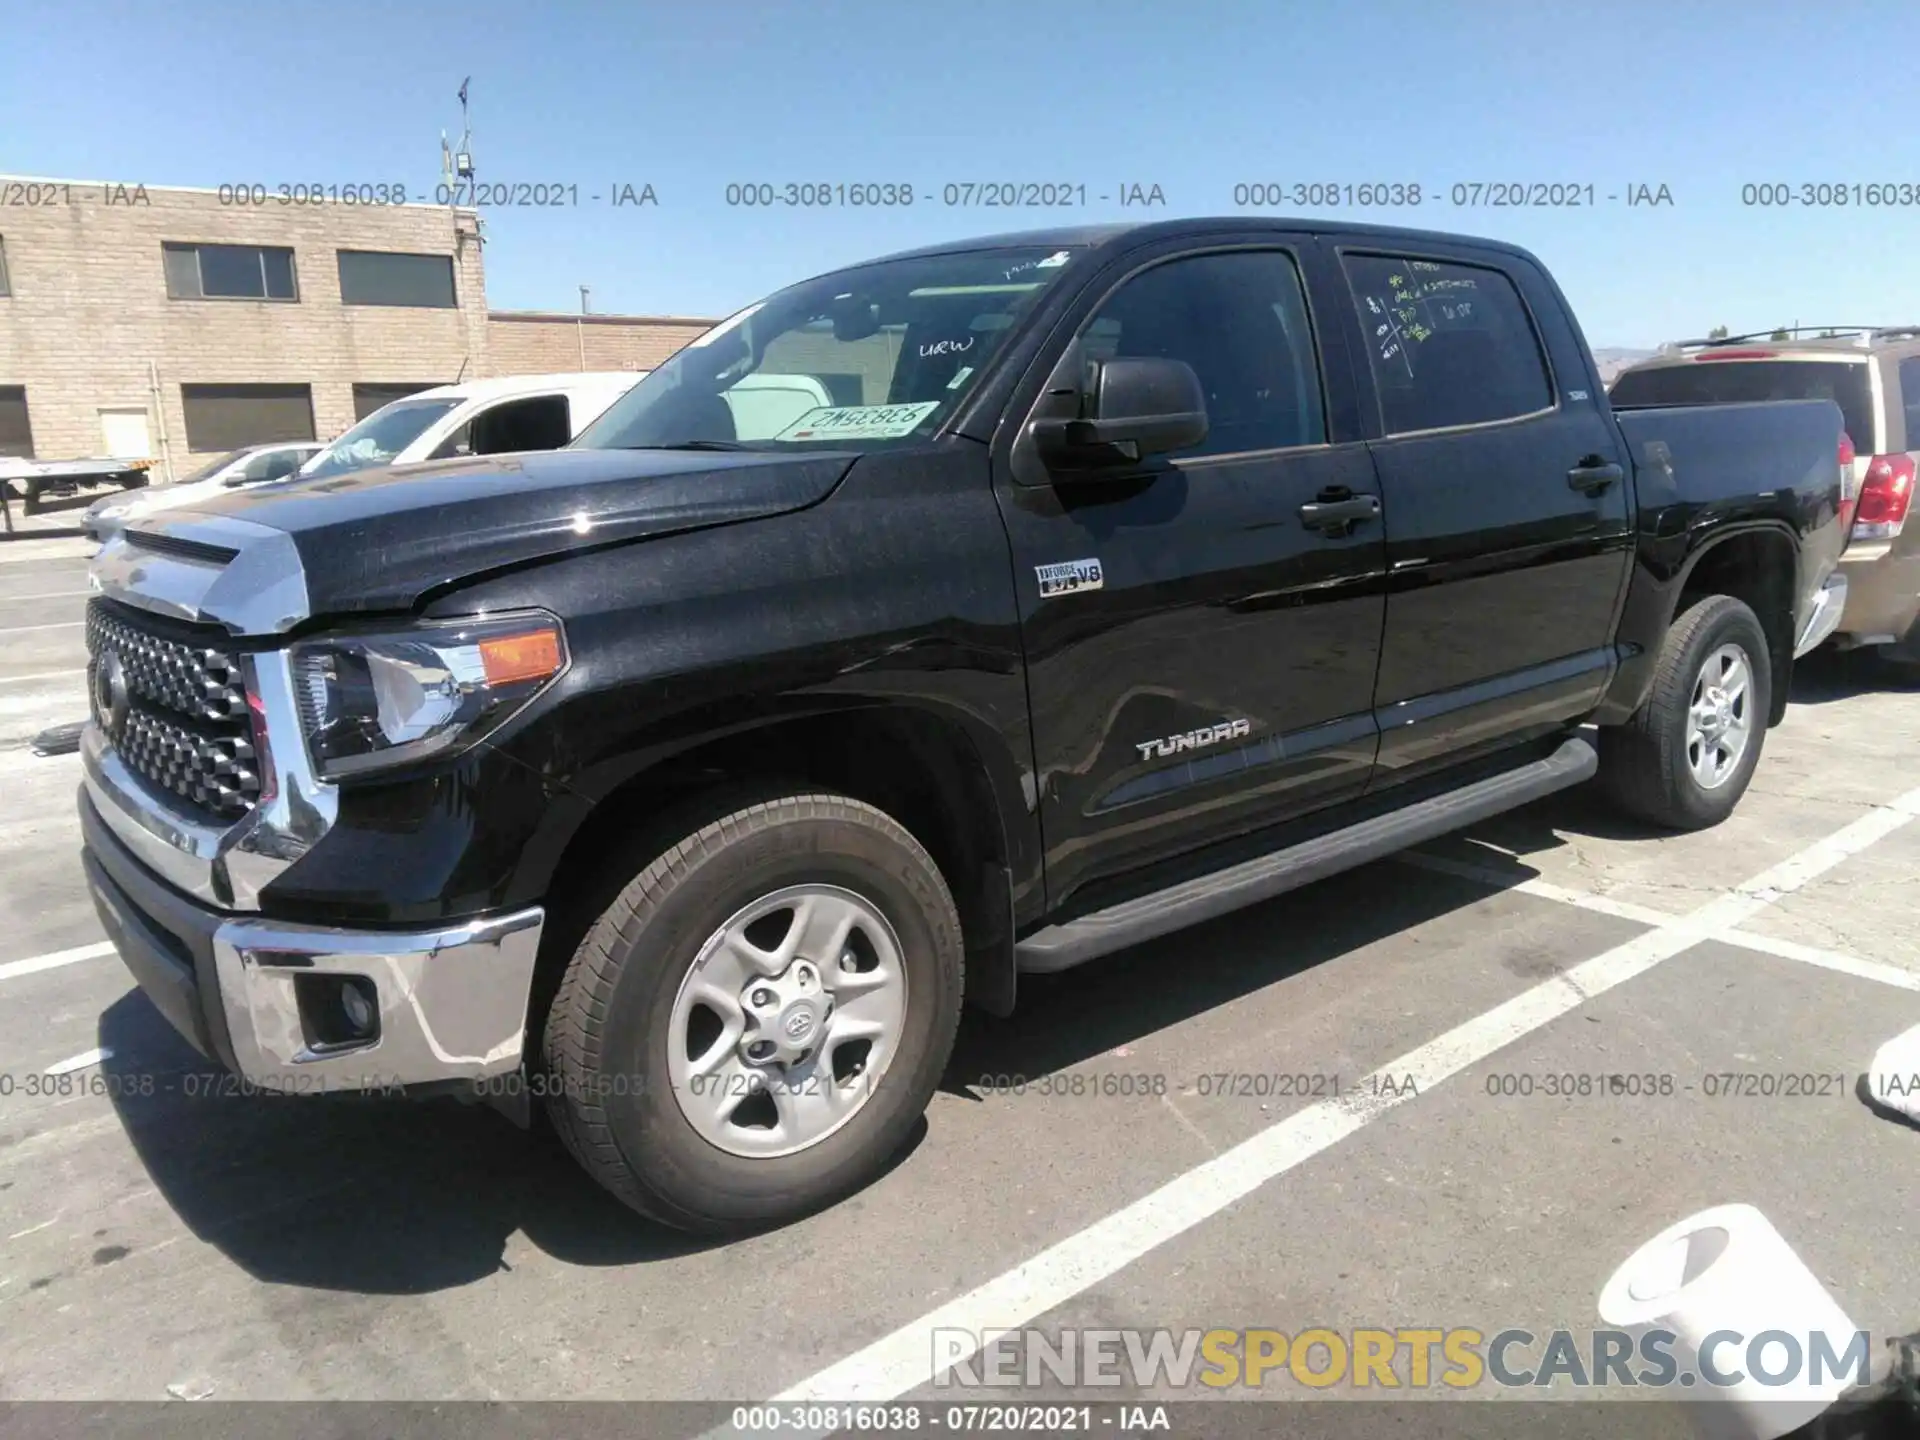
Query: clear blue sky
(1699, 95)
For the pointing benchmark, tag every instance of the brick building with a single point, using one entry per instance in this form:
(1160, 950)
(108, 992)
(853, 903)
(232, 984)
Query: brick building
(160, 323)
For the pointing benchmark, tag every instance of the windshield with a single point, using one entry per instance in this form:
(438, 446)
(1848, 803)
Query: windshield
(863, 358)
(1727, 382)
(213, 467)
(378, 438)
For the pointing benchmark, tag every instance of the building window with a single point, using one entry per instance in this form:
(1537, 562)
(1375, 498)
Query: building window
(228, 272)
(16, 433)
(227, 417)
(374, 277)
(370, 396)
(6, 286)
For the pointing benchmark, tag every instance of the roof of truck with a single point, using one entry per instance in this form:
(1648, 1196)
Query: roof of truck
(1066, 236)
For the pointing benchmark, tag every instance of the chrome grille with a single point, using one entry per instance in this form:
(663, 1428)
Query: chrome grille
(182, 723)
(194, 679)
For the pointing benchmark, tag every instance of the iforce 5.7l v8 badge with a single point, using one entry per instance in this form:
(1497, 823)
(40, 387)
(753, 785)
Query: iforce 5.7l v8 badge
(1068, 577)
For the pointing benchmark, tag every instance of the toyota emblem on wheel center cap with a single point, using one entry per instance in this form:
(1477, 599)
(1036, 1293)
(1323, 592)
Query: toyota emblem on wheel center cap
(798, 1024)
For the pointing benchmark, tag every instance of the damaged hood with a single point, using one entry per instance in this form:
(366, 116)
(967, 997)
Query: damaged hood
(263, 559)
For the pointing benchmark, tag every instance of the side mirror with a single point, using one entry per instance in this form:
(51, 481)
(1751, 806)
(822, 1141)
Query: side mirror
(1139, 407)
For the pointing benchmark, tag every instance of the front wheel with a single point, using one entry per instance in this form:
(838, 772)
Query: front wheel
(755, 1025)
(1685, 757)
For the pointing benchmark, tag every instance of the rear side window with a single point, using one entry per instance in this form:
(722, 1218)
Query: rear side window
(1240, 320)
(1910, 400)
(1449, 344)
(1740, 382)
(538, 422)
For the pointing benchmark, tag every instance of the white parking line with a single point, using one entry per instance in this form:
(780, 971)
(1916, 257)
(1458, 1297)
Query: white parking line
(54, 960)
(1745, 939)
(43, 675)
(86, 1060)
(902, 1361)
(46, 595)
(1542, 889)
(50, 625)
(1825, 959)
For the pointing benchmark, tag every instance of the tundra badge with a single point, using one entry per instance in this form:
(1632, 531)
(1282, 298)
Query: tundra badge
(1069, 576)
(1194, 739)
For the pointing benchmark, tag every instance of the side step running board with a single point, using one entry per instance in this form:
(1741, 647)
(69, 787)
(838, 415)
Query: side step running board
(1061, 947)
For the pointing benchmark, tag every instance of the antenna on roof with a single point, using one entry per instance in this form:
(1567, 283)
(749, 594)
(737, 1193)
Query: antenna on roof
(456, 164)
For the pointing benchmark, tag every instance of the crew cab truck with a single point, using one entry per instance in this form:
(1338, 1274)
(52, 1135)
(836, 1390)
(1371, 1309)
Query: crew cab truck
(684, 783)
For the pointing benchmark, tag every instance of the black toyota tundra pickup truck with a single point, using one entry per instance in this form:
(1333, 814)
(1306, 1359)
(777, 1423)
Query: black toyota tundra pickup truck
(976, 611)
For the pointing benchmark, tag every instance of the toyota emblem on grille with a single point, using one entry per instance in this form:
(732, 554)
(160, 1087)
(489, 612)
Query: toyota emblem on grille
(110, 696)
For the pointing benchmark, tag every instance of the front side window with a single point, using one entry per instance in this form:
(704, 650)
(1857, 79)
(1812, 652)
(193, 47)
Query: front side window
(228, 272)
(876, 356)
(1240, 320)
(1448, 344)
(270, 465)
(379, 437)
(213, 467)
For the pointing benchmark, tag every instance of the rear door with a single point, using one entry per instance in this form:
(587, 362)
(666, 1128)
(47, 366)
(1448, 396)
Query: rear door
(1200, 658)
(1506, 502)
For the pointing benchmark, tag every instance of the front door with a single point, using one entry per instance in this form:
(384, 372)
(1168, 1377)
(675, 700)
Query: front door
(1200, 650)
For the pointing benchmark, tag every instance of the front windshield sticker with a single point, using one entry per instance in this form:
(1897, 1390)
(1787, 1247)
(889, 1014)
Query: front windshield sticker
(859, 422)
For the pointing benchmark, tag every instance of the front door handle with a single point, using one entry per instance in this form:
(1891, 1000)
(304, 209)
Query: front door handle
(1592, 475)
(1338, 517)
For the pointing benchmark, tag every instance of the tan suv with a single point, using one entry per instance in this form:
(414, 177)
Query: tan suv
(1873, 375)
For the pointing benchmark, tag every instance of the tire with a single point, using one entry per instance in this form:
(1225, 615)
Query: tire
(1647, 764)
(630, 995)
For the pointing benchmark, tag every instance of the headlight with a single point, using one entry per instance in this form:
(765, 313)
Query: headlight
(371, 701)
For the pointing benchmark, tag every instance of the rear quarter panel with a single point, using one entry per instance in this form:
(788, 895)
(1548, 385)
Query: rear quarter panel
(1704, 474)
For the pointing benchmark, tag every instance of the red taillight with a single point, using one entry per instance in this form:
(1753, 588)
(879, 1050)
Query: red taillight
(1849, 487)
(1884, 498)
(262, 751)
(1736, 355)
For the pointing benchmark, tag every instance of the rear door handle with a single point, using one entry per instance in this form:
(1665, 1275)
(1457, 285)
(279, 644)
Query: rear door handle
(1592, 475)
(1338, 517)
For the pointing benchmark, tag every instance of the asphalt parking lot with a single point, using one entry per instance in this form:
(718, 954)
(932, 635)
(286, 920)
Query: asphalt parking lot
(188, 1243)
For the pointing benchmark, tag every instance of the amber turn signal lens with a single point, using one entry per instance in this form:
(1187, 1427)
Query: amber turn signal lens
(531, 655)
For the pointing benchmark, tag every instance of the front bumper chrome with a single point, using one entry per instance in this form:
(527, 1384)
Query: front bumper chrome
(451, 1001)
(1823, 616)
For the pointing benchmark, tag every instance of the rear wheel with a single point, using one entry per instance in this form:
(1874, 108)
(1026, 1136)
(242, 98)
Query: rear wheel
(1685, 757)
(755, 1025)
